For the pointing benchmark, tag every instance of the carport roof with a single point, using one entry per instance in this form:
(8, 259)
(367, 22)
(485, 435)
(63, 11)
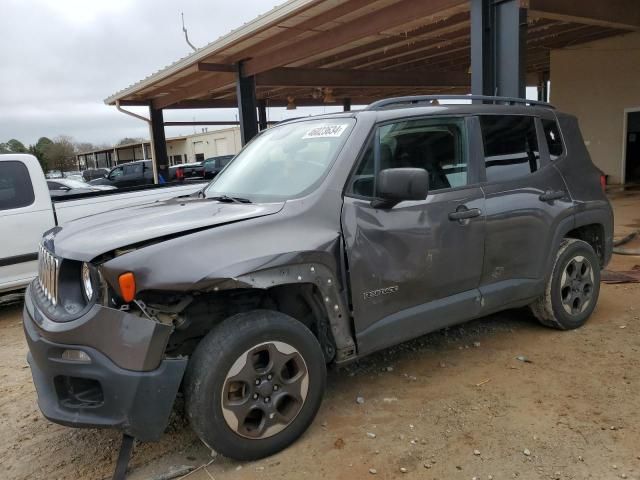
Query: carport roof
(363, 50)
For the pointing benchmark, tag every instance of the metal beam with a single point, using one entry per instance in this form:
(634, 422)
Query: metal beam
(159, 144)
(498, 48)
(194, 90)
(204, 122)
(387, 18)
(623, 14)
(321, 77)
(215, 67)
(262, 114)
(246, 97)
(273, 102)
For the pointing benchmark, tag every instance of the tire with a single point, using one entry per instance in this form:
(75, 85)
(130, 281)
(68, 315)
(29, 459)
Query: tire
(228, 410)
(572, 289)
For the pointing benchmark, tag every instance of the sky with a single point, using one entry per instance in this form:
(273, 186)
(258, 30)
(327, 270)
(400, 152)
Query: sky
(59, 60)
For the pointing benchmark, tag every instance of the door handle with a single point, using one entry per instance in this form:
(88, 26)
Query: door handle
(464, 213)
(551, 195)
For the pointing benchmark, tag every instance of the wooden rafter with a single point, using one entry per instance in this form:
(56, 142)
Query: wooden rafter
(404, 12)
(621, 14)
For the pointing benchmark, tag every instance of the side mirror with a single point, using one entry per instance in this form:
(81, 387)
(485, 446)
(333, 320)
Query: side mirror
(64, 188)
(397, 184)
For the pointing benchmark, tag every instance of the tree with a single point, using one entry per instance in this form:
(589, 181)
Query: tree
(60, 154)
(38, 149)
(83, 147)
(128, 140)
(13, 146)
(16, 146)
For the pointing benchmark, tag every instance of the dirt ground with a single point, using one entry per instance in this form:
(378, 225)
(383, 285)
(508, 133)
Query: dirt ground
(455, 404)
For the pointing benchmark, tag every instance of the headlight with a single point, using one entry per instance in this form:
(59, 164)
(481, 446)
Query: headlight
(87, 283)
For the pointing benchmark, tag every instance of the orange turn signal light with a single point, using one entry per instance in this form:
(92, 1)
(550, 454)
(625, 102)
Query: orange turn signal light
(127, 286)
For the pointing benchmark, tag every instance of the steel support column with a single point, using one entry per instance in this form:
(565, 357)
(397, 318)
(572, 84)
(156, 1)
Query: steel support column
(247, 105)
(498, 48)
(159, 145)
(262, 115)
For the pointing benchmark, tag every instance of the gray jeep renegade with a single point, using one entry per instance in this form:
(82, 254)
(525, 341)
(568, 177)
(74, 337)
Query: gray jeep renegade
(325, 239)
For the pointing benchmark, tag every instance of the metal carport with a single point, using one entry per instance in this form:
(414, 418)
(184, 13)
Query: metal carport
(311, 52)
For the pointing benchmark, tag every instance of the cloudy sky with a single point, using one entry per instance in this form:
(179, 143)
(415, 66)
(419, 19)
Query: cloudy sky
(59, 59)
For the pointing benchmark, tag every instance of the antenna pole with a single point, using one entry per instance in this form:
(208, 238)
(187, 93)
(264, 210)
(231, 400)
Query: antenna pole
(186, 35)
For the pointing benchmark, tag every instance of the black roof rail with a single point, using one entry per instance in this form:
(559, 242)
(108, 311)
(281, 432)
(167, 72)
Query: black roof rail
(416, 99)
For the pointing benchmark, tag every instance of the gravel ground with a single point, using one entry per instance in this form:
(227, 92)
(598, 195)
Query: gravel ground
(456, 404)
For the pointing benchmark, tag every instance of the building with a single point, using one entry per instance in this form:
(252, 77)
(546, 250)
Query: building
(184, 149)
(583, 56)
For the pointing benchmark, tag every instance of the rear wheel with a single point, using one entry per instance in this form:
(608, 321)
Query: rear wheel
(572, 289)
(254, 384)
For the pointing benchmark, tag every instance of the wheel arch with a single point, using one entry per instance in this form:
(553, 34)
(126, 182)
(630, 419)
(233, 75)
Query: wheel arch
(307, 292)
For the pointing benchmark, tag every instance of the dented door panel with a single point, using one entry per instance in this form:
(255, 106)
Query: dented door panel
(412, 254)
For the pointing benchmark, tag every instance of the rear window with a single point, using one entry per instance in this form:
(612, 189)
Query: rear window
(510, 146)
(16, 190)
(554, 139)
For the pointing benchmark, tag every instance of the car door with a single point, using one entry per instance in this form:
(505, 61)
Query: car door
(24, 216)
(115, 176)
(525, 197)
(415, 267)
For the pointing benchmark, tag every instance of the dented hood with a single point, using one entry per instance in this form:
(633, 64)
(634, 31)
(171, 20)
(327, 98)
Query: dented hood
(89, 237)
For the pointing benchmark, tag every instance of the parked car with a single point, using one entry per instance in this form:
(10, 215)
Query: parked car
(129, 174)
(67, 186)
(93, 173)
(176, 173)
(213, 165)
(54, 174)
(27, 211)
(326, 239)
(193, 170)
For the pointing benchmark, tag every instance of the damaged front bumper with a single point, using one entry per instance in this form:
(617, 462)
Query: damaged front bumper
(121, 380)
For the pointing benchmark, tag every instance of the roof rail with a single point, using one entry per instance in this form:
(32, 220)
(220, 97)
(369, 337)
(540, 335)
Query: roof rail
(380, 104)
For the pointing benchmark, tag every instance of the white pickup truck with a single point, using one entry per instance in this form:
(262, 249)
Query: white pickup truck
(27, 211)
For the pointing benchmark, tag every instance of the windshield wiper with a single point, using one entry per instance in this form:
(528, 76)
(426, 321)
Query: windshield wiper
(228, 199)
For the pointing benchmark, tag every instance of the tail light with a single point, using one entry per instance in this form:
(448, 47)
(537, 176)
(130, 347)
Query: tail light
(603, 183)
(180, 174)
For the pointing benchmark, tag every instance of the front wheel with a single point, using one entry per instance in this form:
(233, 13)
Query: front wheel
(254, 384)
(572, 289)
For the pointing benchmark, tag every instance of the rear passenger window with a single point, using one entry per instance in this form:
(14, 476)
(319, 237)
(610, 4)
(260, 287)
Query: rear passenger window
(510, 146)
(554, 140)
(15, 186)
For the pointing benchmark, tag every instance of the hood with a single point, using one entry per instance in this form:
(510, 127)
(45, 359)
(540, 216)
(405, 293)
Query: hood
(89, 237)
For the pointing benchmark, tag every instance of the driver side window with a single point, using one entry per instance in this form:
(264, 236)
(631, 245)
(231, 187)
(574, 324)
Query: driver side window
(436, 145)
(116, 172)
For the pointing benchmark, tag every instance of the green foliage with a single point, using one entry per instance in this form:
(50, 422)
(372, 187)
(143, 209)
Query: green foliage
(13, 146)
(38, 149)
(60, 154)
(129, 140)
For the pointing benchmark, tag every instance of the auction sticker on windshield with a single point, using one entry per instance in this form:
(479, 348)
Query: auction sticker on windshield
(326, 131)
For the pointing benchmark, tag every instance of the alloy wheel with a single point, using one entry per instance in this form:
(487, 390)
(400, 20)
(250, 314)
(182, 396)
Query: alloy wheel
(576, 285)
(265, 390)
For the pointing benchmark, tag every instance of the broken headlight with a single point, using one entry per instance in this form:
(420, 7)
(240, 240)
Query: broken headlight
(87, 281)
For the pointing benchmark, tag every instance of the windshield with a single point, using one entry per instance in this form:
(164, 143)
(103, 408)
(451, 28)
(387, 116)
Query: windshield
(285, 161)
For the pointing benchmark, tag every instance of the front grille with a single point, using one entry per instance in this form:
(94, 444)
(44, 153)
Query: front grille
(48, 270)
